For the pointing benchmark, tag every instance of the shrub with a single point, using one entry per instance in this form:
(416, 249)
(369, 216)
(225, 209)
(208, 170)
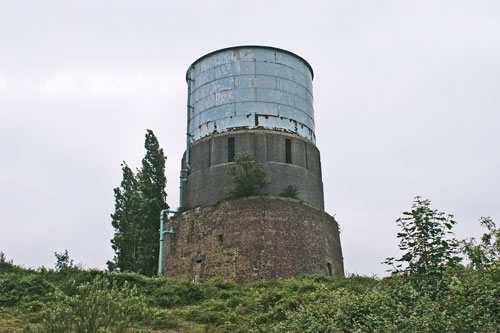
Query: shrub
(290, 191)
(486, 253)
(177, 293)
(27, 290)
(7, 266)
(394, 305)
(423, 236)
(97, 306)
(248, 176)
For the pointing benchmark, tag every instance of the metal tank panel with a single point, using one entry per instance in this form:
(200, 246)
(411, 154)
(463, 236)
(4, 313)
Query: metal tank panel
(251, 87)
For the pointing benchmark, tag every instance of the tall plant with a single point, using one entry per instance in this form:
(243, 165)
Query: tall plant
(125, 219)
(138, 202)
(424, 239)
(152, 182)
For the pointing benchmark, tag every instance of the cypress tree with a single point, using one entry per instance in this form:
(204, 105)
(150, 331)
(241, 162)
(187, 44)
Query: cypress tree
(138, 202)
(125, 241)
(152, 182)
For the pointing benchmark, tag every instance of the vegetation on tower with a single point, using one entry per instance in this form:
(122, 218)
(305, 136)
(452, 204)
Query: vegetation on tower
(248, 176)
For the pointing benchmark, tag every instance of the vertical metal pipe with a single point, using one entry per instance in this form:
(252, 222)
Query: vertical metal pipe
(188, 140)
(160, 256)
(162, 233)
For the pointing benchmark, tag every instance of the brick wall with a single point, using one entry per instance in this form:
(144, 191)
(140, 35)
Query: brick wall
(256, 238)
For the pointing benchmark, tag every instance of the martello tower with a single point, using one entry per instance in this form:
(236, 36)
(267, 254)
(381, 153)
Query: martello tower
(259, 100)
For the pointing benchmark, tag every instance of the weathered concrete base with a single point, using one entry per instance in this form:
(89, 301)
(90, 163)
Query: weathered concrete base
(255, 238)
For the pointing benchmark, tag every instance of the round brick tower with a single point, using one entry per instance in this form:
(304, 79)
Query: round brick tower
(259, 100)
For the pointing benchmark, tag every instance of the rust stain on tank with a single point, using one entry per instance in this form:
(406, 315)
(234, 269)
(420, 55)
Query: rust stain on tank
(258, 126)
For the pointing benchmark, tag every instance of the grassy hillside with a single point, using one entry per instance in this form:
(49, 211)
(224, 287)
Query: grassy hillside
(76, 300)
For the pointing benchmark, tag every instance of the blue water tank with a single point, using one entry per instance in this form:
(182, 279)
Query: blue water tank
(250, 87)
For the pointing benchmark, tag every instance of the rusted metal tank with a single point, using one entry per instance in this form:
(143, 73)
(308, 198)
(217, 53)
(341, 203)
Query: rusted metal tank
(250, 87)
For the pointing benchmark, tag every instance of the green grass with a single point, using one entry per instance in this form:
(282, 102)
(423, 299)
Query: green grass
(37, 300)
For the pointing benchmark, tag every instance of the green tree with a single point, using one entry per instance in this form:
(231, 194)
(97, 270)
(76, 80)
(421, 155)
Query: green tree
(247, 175)
(487, 252)
(125, 220)
(138, 202)
(424, 239)
(152, 182)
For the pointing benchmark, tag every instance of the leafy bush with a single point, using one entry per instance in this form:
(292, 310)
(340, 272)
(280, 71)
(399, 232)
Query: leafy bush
(486, 253)
(393, 304)
(463, 299)
(7, 266)
(290, 191)
(424, 238)
(25, 291)
(96, 307)
(247, 175)
(170, 293)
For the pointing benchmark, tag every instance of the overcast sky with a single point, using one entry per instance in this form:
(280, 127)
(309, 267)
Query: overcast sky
(407, 102)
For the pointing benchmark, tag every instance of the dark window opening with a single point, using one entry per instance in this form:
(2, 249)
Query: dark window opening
(209, 153)
(329, 268)
(305, 149)
(288, 150)
(199, 261)
(230, 149)
(221, 238)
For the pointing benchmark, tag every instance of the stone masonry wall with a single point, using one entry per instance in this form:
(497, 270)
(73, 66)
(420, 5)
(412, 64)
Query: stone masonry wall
(209, 179)
(255, 238)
